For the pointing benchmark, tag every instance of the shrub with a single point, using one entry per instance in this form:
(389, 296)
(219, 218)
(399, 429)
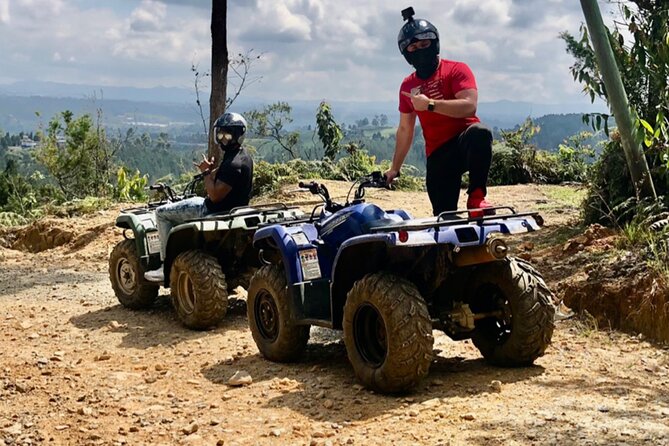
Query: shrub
(78, 207)
(507, 167)
(359, 163)
(8, 219)
(610, 186)
(268, 178)
(130, 188)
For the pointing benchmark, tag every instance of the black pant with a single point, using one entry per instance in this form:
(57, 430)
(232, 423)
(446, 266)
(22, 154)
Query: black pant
(470, 151)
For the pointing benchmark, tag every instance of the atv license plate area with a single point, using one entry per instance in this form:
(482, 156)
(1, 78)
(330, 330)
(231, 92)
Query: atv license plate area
(154, 242)
(309, 261)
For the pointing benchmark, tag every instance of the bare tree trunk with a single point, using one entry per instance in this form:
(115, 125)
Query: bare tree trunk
(219, 68)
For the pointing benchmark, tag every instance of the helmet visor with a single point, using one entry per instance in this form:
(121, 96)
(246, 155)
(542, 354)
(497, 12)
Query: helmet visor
(428, 35)
(222, 136)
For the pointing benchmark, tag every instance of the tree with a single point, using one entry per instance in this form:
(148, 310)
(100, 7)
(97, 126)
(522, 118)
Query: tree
(270, 123)
(83, 165)
(219, 67)
(329, 132)
(364, 122)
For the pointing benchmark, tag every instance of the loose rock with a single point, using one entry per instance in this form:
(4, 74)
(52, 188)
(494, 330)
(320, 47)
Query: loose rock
(240, 378)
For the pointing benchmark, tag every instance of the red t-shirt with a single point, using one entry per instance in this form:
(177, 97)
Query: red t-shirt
(450, 78)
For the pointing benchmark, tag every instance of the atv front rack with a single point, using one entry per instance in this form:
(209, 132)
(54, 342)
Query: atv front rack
(450, 218)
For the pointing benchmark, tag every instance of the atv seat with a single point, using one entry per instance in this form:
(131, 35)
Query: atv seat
(382, 222)
(242, 211)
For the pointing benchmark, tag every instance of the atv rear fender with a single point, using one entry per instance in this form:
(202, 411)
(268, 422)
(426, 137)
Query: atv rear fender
(287, 241)
(193, 235)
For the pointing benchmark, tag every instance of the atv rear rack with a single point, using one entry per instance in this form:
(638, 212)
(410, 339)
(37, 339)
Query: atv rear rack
(449, 218)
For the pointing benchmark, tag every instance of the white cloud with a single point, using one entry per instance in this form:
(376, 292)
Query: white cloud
(39, 10)
(148, 16)
(4, 11)
(312, 49)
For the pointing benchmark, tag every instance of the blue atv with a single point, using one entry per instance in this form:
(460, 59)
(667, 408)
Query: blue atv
(388, 280)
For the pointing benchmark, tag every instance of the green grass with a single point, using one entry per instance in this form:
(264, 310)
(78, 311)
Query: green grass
(565, 196)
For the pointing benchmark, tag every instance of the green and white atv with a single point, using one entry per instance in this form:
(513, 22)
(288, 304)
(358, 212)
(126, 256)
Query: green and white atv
(205, 258)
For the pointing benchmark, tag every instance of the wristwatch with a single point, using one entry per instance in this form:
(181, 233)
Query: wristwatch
(430, 105)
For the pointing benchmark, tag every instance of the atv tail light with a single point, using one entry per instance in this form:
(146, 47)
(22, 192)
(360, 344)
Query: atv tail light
(403, 236)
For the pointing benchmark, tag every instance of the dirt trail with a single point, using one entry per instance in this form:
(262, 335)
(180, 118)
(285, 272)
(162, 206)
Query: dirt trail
(77, 368)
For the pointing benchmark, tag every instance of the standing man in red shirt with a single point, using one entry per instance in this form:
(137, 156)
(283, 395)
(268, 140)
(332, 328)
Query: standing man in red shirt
(442, 93)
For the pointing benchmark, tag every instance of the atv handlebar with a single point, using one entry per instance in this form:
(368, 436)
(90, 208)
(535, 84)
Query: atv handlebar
(375, 179)
(312, 186)
(171, 196)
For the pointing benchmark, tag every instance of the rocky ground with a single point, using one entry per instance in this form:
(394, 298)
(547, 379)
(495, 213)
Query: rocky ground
(77, 368)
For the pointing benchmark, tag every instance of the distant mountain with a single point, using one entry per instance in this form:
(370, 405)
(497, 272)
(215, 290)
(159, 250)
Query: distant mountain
(508, 114)
(27, 113)
(162, 107)
(77, 91)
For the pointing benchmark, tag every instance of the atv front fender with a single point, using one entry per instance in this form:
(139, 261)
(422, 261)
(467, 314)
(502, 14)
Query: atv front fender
(139, 228)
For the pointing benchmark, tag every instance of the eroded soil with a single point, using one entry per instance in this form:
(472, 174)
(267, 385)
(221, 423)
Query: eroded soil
(77, 368)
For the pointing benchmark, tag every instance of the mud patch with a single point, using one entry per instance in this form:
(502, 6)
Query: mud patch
(596, 236)
(89, 236)
(38, 237)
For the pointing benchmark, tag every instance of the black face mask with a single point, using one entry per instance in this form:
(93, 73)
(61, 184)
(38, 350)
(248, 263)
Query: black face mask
(425, 61)
(230, 149)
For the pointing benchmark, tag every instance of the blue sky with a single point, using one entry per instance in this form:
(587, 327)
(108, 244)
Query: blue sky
(338, 50)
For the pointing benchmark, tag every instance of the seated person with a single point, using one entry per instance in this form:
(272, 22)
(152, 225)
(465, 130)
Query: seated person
(227, 187)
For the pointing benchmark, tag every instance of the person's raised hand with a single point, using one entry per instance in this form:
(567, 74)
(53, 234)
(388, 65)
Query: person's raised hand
(205, 164)
(419, 101)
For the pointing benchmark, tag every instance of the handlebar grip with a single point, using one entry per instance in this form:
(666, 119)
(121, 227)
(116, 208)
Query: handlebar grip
(156, 187)
(312, 186)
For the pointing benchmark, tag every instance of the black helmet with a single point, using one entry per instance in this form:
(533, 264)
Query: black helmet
(412, 31)
(229, 130)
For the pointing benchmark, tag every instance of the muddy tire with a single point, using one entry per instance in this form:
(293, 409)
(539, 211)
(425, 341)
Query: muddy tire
(522, 330)
(199, 292)
(127, 277)
(277, 338)
(388, 333)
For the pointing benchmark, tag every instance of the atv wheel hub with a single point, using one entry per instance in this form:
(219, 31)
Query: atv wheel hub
(186, 293)
(267, 314)
(127, 276)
